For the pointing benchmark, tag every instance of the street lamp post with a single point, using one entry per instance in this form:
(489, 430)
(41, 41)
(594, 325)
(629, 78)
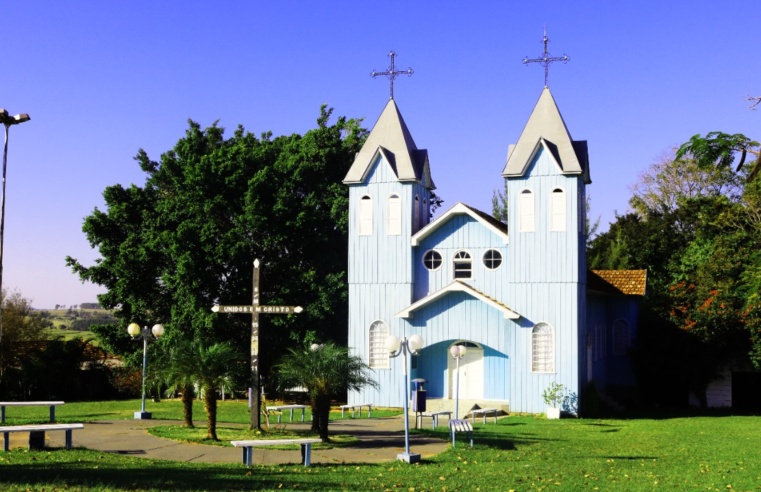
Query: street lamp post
(7, 120)
(145, 334)
(398, 347)
(458, 352)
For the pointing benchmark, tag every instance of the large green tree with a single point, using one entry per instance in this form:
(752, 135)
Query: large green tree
(186, 239)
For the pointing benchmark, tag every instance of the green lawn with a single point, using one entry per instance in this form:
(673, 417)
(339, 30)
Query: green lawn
(519, 453)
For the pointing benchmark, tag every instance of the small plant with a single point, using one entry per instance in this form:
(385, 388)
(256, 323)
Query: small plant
(554, 395)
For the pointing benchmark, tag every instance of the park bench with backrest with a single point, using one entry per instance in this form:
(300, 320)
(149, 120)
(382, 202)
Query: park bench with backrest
(358, 407)
(456, 425)
(37, 432)
(51, 404)
(306, 448)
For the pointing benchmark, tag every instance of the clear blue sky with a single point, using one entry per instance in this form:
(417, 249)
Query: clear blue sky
(103, 79)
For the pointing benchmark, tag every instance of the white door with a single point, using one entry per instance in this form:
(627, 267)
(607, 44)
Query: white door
(471, 374)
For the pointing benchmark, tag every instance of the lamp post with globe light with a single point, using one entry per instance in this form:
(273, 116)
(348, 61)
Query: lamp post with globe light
(458, 352)
(7, 120)
(397, 347)
(153, 334)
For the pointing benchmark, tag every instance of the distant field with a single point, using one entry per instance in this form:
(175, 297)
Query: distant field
(72, 324)
(67, 335)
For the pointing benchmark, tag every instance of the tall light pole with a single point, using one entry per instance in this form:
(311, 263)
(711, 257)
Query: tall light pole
(458, 352)
(153, 334)
(398, 347)
(7, 120)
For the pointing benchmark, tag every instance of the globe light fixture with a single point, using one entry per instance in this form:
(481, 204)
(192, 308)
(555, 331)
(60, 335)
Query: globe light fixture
(458, 352)
(397, 347)
(145, 334)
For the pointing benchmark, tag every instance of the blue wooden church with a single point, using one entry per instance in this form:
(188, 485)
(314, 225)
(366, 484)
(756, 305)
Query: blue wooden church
(517, 295)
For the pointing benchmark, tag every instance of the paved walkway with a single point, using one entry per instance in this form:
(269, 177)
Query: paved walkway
(380, 439)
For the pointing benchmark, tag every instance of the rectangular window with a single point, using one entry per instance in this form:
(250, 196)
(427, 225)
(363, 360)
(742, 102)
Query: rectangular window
(394, 215)
(557, 221)
(526, 211)
(542, 349)
(366, 216)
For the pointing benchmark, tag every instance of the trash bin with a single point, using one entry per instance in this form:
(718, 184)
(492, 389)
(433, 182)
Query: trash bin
(418, 395)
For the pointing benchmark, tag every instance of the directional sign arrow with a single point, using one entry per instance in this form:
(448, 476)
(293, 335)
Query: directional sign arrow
(232, 309)
(279, 309)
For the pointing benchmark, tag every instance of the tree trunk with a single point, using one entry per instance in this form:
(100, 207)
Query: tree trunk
(210, 404)
(188, 394)
(320, 417)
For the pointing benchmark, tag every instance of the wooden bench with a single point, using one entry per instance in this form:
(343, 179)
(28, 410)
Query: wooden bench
(484, 412)
(32, 429)
(434, 417)
(357, 406)
(278, 409)
(457, 425)
(51, 404)
(248, 451)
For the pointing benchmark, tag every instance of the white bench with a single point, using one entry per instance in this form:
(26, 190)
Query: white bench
(434, 417)
(51, 404)
(280, 408)
(34, 428)
(357, 406)
(306, 448)
(484, 412)
(456, 426)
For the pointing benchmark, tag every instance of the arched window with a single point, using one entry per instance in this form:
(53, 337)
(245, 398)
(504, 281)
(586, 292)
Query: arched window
(394, 215)
(463, 265)
(542, 348)
(620, 337)
(557, 209)
(526, 210)
(492, 259)
(366, 216)
(432, 260)
(378, 350)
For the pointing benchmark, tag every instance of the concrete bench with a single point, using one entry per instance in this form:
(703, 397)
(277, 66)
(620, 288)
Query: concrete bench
(357, 406)
(484, 412)
(34, 431)
(457, 425)
(248, 451)
(434, 416)
(51, 404)
(280, 408)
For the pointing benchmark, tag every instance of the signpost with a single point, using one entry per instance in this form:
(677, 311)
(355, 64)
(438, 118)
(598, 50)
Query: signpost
(254, 391)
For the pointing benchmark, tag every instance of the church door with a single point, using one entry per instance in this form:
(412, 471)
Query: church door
(471, 373)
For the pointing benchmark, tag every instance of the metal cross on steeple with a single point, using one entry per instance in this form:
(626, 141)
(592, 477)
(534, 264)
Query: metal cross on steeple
(546, 59)
(392, 73)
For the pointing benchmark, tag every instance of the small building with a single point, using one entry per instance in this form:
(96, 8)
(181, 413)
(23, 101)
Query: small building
(517, 295)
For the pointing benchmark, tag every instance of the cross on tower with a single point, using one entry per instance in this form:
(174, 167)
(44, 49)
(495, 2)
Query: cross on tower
(392, 73)
(546, 59)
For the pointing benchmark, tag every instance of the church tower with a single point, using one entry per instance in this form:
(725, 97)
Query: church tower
(389, 187)
(547, 173)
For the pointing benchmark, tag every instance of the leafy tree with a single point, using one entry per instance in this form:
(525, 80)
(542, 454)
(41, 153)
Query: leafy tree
(325, 371)
(720, 149)
(186, 239)
(499, 204)
(20, 324)
(215, 366)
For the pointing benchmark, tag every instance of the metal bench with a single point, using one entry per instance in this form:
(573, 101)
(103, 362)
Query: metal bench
(357, 406)
(51, 404)
(434, 417)
(278, 409)
(248, 451)
(465, 426)
(484, 412)
(34, 431)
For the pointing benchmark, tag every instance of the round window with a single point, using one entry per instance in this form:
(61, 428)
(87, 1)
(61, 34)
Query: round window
(492, 259)
(432, 260)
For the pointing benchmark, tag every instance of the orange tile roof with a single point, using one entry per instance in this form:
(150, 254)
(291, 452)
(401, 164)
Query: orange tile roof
(626, 282)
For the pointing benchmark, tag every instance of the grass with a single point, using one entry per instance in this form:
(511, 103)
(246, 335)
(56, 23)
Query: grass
(518, 453)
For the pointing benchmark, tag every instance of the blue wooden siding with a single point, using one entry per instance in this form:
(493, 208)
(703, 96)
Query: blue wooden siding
(461, 233)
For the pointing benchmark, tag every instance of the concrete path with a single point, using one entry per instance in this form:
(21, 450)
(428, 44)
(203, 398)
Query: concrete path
(380, 439)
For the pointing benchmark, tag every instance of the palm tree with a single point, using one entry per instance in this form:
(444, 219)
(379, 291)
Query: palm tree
(325, 371)
(178, 372)
(215, 366)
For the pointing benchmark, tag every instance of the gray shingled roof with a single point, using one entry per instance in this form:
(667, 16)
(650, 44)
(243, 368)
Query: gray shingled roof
(546, 128)
(391, 137)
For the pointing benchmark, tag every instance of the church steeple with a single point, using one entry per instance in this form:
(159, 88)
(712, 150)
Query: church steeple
(546, 128)
(391, 138)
